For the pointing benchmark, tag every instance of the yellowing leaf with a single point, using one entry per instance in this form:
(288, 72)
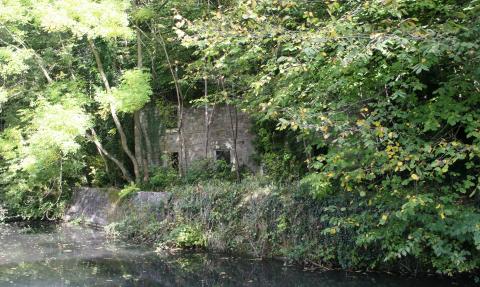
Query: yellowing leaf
(383, 219)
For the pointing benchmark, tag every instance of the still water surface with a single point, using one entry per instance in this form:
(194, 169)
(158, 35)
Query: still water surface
(77, 256)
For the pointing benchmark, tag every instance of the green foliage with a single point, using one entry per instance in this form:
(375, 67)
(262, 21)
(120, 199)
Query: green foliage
(131, 95)
(106, 18)
(167, 113)
(143, 14)
(161, 178)
(281, 166)
(12, 10)
(37, 166)
(47, 61)
(133, 92)
(128, 190)
(12, 62)
(281, 153)
(205, 169)
(344, 230)
(45, 98)
(187, 236)
(318, 185)
(98, 175)
(139, 225)
(54, 131)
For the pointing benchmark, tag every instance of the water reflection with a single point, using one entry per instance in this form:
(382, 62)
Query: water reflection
(76, 256)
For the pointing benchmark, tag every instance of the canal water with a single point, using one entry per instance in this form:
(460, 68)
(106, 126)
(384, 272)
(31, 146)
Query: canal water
(60, 255)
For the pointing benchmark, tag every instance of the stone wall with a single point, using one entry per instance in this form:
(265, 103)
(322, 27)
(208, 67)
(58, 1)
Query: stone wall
(220, 137)
(101, 206)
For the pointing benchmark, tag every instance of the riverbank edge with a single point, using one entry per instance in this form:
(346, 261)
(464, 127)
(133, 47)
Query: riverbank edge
(252, 219)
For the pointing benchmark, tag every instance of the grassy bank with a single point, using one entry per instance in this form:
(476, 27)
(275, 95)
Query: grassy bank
(344, 230)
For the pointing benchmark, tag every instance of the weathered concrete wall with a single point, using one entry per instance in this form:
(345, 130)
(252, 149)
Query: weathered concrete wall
(101, 206)
(220, 137)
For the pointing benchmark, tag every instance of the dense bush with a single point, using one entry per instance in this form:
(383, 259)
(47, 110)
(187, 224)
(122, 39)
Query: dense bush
(141, 225)
(205, 169)
(187, 236)
(162, 177)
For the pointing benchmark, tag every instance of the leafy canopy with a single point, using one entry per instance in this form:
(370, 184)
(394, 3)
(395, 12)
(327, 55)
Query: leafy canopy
(131, 94)
(94, 19)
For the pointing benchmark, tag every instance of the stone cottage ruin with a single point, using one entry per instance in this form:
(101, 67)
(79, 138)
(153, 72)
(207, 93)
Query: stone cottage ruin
(214, 132)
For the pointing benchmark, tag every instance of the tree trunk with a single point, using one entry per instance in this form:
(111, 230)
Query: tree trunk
(113, 112)
(183, 168)
(137, 137)
(137, 123)
(234, 127)
(180, 108)
(103, 151)
(207, 125)
(178, 91)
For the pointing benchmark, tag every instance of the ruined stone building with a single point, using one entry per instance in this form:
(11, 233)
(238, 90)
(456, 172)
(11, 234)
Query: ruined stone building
(224, 122)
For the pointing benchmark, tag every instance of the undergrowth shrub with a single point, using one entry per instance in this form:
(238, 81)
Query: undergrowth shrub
(187, 236)
(283, 167)
(206, 169)
(162, 178)
(140, 225)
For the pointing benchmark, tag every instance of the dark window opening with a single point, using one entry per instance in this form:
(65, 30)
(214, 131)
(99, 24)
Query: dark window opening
(173, 160)
(223, 155)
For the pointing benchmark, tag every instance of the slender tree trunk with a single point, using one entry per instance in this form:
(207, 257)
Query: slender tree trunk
(113, 112)
(107, 169)
(183, 169)
(137, 123)
(234, 127)
(180, 106)
(102, 150)
(137, 137)
(209, 120)
(44, 70)
(178, 91)
(207, 126)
